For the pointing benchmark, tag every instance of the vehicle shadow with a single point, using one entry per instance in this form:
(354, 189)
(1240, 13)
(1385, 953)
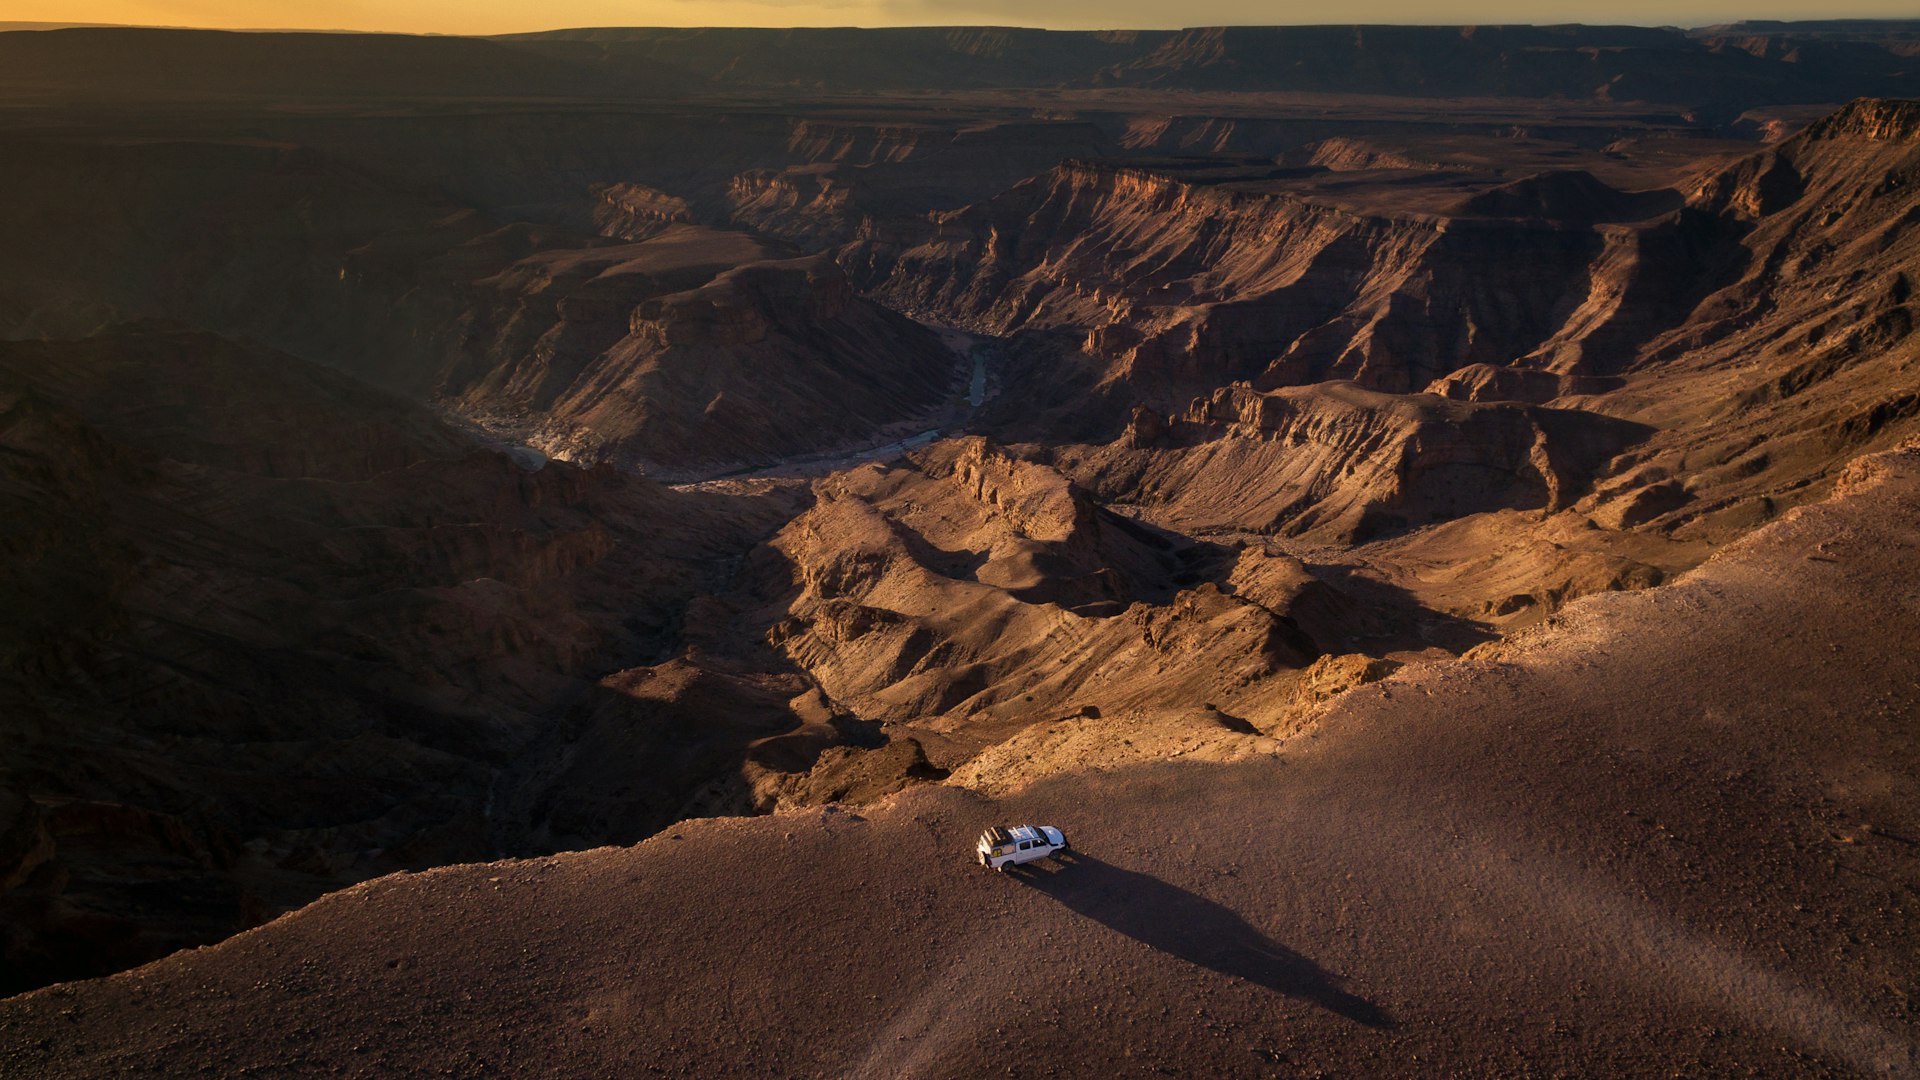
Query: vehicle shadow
(1195, 929)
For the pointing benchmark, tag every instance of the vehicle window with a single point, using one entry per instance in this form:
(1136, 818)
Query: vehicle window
(1025, 844)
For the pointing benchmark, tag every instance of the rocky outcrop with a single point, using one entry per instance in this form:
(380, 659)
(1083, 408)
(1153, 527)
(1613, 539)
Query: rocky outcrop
(874, 183)
(815, 205)
(1338, 462)
(957, 598)
(766, 361)
(1794, 358)
(530, 328)
(1358, 155)
(1490, 382)
(632, 211)
(693, 352)
(1180, 285)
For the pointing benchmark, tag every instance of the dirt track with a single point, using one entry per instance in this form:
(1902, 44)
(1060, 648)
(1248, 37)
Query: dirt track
(1669, 832)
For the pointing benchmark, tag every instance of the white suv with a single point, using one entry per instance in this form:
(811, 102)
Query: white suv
(1001, 848)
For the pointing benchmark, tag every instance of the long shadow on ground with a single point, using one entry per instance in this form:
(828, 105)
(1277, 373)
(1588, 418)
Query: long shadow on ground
(1195, 929)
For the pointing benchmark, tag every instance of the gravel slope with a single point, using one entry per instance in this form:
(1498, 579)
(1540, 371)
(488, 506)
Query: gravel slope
(1671, 831)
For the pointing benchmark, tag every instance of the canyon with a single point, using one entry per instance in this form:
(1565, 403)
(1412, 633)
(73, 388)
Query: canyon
(490, 521)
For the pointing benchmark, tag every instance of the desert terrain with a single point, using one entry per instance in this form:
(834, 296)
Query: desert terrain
(538, 555)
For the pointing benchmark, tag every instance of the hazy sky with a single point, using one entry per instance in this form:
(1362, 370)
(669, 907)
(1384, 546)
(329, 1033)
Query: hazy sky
(501, 16)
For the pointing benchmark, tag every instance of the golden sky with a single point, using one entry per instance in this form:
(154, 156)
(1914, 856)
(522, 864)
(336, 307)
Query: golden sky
(505, 16)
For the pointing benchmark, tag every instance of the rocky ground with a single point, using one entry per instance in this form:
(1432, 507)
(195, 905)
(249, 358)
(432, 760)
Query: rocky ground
(1671, 832)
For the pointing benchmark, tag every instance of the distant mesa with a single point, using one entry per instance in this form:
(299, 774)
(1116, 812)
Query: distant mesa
(1573, 196)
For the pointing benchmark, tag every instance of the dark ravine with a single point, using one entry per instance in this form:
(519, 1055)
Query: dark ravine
(248, 596)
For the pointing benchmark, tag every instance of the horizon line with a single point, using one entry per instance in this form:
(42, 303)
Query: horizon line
(43, 26)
